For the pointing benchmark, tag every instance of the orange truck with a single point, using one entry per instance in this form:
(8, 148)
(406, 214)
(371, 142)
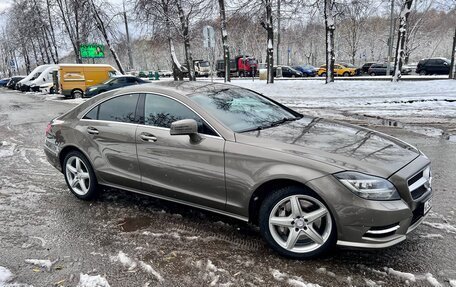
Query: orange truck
(74, 79)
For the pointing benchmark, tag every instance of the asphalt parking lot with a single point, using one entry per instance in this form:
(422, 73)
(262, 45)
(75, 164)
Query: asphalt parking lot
(133, 240)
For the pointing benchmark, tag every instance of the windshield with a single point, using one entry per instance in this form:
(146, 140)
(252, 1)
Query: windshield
(348, 65)
(204, 64)
(242, 110)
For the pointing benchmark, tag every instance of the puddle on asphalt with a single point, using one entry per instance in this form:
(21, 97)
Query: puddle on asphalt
(130, 224)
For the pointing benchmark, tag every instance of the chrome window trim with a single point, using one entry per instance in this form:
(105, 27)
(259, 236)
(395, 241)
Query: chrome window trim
(146, 93)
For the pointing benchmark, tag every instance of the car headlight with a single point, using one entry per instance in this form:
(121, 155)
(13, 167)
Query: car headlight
(368, 186)
(92, 89)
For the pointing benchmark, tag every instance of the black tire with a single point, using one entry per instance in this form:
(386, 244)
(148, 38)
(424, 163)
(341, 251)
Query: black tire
(92, 183)
(269, 204)
(51, 90)
(423, 73)
(346, 74)
(323, 75)
(76, 93)
(373, 74)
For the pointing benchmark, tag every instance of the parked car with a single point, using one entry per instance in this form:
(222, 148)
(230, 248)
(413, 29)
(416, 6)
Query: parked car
(13, 81)
(76, 78)
(165, 73)
(306, 70)
(24, 84)
(381, 68)
(358, 70)
(366, 66)
(233, 151)
(47, 88)
(44, 78)
(288, 72)
(438, 66)
(113, 83)
(4, 81)
(339, 70)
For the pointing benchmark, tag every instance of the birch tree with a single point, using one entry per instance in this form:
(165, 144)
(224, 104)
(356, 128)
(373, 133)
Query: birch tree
(400, 47)
(268, 26)
(330, 28)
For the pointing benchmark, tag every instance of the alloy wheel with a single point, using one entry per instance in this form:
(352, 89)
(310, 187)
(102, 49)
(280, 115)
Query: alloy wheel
(300, 223)
(78, 175)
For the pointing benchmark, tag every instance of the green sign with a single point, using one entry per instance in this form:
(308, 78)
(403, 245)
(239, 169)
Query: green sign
(92, 51)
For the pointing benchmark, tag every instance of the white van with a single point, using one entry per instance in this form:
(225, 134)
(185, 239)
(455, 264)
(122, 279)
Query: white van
(44, 78)
(24, 84)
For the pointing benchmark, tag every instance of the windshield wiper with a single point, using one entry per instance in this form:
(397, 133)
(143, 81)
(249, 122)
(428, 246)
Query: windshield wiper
(282, 121)
(259, 128)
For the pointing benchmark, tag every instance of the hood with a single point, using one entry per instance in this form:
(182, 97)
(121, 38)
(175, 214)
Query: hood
(342, 145)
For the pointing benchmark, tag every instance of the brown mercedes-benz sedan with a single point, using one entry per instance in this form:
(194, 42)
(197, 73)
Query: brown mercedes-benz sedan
(309, 183)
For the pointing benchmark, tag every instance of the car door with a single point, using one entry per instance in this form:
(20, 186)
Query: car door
(337, 70)
(110, 130)
(175, 166)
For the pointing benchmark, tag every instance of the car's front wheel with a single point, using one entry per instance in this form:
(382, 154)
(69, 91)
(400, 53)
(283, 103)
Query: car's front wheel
(296, 223)
(79, 175)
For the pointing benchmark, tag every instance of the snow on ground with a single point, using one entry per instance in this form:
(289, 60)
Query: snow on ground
(5, 275)
(290, 280)
(132, 264)
(86, 280)
(47, 264)
(452, 283)
(442, 226)
(403, 276)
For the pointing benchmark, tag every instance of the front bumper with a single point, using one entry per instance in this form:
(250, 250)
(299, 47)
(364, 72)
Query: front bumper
(365, 223)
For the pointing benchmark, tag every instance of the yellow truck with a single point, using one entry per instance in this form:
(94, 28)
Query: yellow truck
(74, 79)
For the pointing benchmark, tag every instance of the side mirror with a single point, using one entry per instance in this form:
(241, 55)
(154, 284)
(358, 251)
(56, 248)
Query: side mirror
(184, 127)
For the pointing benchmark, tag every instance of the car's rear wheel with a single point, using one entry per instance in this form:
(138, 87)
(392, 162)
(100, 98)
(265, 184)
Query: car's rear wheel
(323, 75)
(79, 175)
(296, 223)
(346, 74)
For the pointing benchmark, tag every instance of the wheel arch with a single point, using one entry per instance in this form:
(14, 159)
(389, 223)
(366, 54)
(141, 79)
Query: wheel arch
(262, 191)
(69, 148)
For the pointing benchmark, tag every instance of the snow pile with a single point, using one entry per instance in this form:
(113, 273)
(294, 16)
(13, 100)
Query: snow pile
(86, 280)
(442, 226)
(452, 283)
(149, 269)
(6, 149)
(403, 276)
(47, 264)
(132, 264)
(5, 275)
(290, 280)
(430, 278)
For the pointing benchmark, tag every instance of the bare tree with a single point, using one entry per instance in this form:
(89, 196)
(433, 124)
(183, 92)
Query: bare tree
(400, 47)
(268, 26)
(330, 28)
(226, 47)
(452, 67)
(103, 30)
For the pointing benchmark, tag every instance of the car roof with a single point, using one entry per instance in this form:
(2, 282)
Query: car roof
(187, 87)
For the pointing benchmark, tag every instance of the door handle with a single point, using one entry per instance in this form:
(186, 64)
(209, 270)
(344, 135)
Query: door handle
(148, 137)
(92, 131)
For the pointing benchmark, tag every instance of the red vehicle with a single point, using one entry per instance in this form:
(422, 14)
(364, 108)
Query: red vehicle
(241, 66)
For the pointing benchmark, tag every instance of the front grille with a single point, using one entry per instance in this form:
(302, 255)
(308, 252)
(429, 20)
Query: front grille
(420, 183)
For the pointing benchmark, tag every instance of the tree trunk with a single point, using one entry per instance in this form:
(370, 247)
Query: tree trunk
(73, 38)
(185, 33)
(177, 70)
(330, 28)
(452, 74)
(400, 47)
(270, 48)
(52, 32)
(226, 47)
(101, 27)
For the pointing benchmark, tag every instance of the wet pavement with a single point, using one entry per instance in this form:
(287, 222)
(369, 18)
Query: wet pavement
(134, 240)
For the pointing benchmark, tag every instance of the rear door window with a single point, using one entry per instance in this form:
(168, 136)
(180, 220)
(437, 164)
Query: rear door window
(119, 109)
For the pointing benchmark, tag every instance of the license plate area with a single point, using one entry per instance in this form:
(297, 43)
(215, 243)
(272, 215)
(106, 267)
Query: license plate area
(427, 205)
